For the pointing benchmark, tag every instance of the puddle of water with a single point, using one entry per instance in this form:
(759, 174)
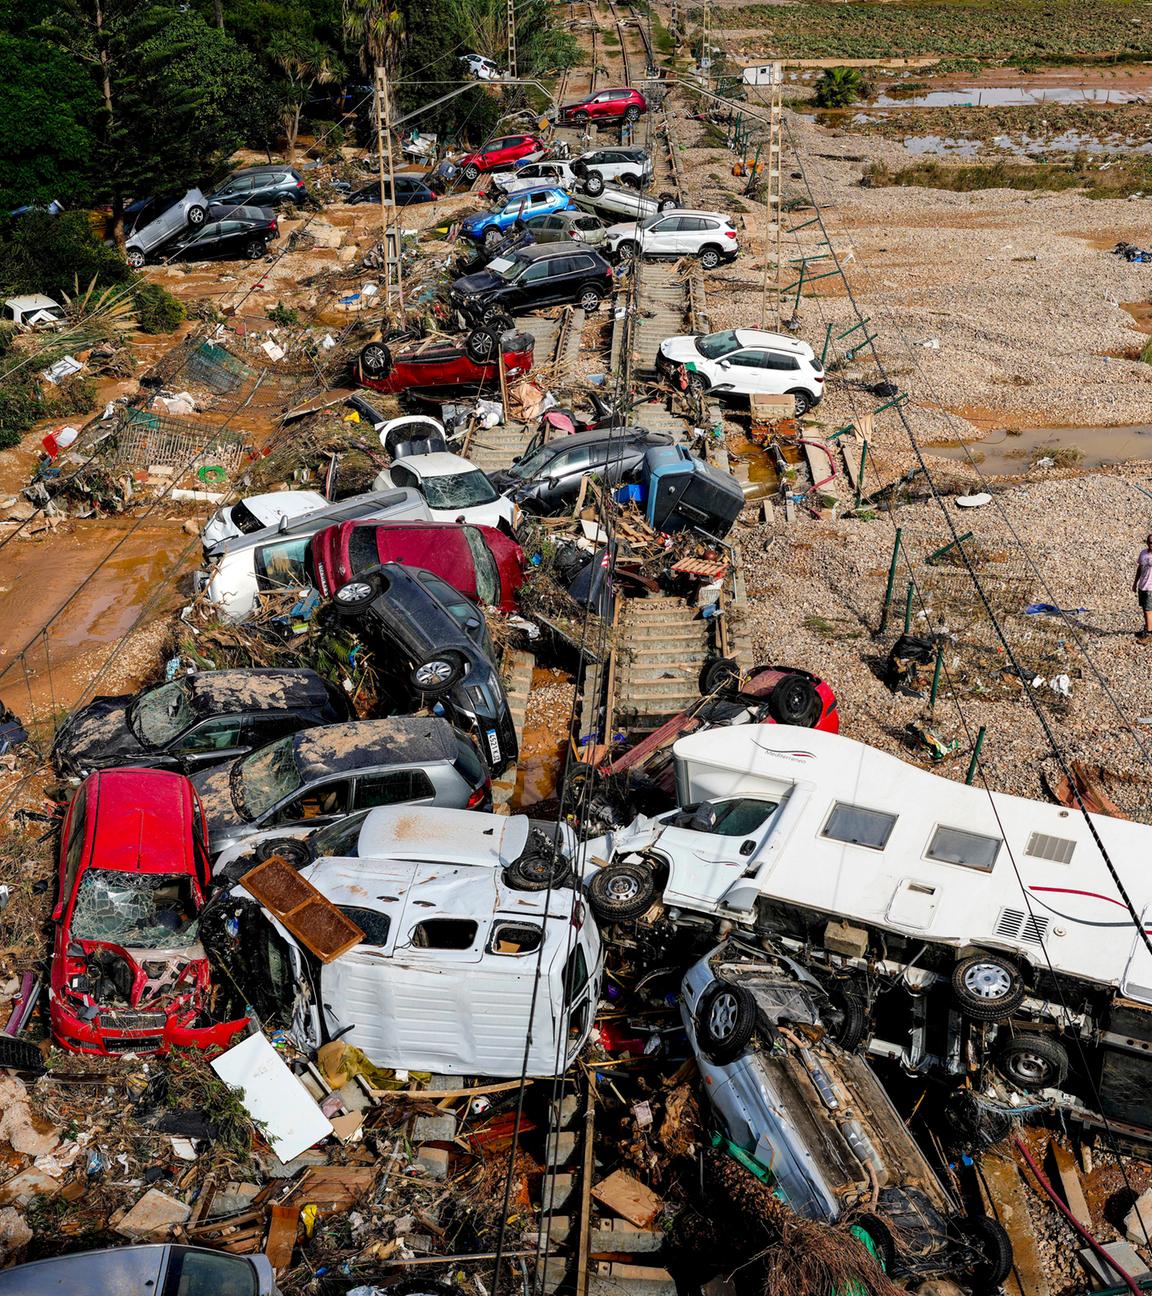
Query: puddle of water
(545, 742)
(1005, 97)
(1021, 145)
(1013, 453)
(761, 465)
(929, 145)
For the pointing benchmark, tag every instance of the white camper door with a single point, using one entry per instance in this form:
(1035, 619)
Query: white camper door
(706, 862)
(1137, 982)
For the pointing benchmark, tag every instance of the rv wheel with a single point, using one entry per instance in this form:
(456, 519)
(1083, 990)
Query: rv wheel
(537, 870)
(880, 1235)
(1033, 1062)
(989, 1259)
(289, 849)
(988, 987)
(620, 891)
(719, 673)
(725, 1021)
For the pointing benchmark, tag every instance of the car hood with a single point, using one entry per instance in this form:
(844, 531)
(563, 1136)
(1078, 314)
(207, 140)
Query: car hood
(96, 736)
(480, 282)
(622, 229)
(682, 348)
(576, 103)
(213, 787)
(470, 220)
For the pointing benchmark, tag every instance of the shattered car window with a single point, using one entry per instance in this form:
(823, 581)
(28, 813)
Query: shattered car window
(487, 576)
(162, 713)
(715, 345)
(139, 910)
(266, 777)
(341, 839)
(458, 490)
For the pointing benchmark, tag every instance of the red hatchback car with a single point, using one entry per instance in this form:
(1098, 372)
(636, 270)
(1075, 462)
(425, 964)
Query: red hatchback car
(436, 362)
(479, 561)
(498, 153)
(605, 105)
(129, 974)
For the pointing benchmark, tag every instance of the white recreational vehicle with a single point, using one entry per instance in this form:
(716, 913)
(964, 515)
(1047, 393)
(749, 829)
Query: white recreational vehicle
(841, 849)
(458, 922)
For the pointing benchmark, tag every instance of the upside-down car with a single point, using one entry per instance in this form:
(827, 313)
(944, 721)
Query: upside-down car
(434, 363)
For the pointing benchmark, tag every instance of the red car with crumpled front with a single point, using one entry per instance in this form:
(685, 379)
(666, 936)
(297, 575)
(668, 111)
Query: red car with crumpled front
(129, 974)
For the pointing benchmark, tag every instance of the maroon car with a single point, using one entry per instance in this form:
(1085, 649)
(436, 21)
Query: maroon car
(480, 561)
(434, 363)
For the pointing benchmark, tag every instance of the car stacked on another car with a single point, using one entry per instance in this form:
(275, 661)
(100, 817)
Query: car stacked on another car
(437, 363)
(576, 226)
(710, 236)
(623, 165)
(552, 274)
(489, 227)
(456, 490)
(619, 104)
(262, 186)
(498, 154)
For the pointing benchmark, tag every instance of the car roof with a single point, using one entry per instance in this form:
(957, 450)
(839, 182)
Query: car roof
(257, 689)
(604, 434)
(521, 194)
(431, 833)
(540, 251)
(34, 301)
(364, 744)
(778, 341)
(267, 507)
(262, 167)
(137, 811)
(355, 508)
(438, 464)
(694, 211)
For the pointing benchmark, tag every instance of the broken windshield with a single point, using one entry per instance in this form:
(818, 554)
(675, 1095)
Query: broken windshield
(458, 490)
(263, 779)
(160, 714)
(139, 910)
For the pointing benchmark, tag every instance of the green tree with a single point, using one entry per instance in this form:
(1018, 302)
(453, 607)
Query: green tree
(838, 87)
(45, 140)
(304, 63)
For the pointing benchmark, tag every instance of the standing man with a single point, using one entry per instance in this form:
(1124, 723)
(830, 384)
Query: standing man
(1142, 585)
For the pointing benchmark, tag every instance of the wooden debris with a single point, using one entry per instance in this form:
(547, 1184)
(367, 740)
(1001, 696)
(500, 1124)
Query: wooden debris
(333, 1187)
(1087, 782)
(626, 1196)
(1069, 1178)
(311, 918)
(282, 1236)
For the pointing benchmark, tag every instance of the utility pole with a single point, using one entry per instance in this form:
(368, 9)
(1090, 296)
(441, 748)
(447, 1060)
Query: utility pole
(772, 198)
(705, 60)
(512, 38)
(384, 142)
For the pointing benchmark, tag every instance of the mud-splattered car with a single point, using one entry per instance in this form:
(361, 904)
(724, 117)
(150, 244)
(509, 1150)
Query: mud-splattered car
(129, 974)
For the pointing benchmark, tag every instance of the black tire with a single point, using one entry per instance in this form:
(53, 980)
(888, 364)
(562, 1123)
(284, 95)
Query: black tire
(537, 870)
(698, 383)
(594, 184)
(482, 344)
(580, 168)
(471, 172)
(987, 987)
(632, 113)
(725, 1021)
(804, 402)
(794, 701)
(438, 672)
(629, 181)
(719, 673)
(992, 1262)
(256, 249)
(197, 215)
(1032, 1061)
(354, 596)
(580, 120)
(665, 202)
(21, 1055)
(492, 237)
(849, 1020)
(882, 1237)
(626, 252)
(589, 298)
(492, 312)
(292, 850)
(501, 322)
(618, 892)
(135, 258)
(710, 257)
(376, 360)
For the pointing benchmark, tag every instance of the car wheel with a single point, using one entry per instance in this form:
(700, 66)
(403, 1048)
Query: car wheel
(990, 1251)
(376, 360)
(794, 701)
(481, 344)
(537, 870)
(500, 322)
(804, 402)
(618, 892)
(632, 113)
(470, 172)
(589, 299)
(630, 181)
(848, 1019)
(492, 238)
(698, 383)
(627, 252)
(438, 672)
(135, 258)
(354, 596)
(882, 1239)
(594, 184)
(987, 987)
(580, 120)
(665, 202)
(719, 673)
(256, 248)
(725, 1021)
(490, 314)
(1033, 1062)
(197, 215)
(709, 258)
(289, 849)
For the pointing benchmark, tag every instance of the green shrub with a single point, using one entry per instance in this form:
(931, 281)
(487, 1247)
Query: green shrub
(20, 409)
(281, 314)
(838, 87)
(156, 309)
(72, 396)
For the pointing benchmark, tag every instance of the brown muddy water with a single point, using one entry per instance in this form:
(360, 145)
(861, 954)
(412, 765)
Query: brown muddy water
(1014, 453)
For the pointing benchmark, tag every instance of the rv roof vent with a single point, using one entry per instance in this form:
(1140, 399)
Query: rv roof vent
(1057, 849)
(1016, 925)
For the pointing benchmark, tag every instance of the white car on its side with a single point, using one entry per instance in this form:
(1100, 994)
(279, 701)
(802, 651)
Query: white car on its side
(454, 489)
(619, 164)
(711, 236)
(740, 362)
(257, 512)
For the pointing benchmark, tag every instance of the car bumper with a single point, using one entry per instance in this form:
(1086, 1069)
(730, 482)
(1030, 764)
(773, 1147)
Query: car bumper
(150, 1032)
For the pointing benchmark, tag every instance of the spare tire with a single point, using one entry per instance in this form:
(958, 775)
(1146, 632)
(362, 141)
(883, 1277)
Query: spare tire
(376, 360)
(620, 891)
(290, 849)
(538, 870)
(794, 701)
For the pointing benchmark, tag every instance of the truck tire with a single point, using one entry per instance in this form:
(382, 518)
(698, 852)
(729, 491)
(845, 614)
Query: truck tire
(618, 892)
(987, 987)
(794, 701)
(726, 1019)
(376, 360)
(1032, 1061)
(990, 1250)
(538, 870)
(719, 673)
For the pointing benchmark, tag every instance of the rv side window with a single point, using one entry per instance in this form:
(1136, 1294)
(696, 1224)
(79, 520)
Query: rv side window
(859, 827)
(374, 925)
(444, 933)
(952, 846)
(515, 938)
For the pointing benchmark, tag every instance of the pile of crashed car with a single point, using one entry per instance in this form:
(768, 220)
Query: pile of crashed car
(254, 854)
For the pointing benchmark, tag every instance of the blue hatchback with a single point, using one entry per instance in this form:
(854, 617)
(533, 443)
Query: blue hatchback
(489, 226)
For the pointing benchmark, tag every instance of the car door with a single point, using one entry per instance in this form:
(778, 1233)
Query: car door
(314, 805)
(601, 105)
(691, 233)
(392, 787)
(545, 229)
(233, 239)
(661, 237)
(565, 472)
(236, 191)
(280, 564)
(714, 848)
(534, 287)
(267, 189)
(199, 244)
(746, 372)
(781, 372)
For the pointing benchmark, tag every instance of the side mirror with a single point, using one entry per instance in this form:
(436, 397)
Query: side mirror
(725, 364)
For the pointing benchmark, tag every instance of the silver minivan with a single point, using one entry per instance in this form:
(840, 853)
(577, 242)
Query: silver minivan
(151, 1269)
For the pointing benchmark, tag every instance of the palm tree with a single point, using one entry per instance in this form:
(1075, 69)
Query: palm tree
(305, 63)
(375, 28)
(839, 86)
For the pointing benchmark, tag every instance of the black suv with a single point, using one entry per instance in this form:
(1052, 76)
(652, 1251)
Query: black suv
(196, 721)
(548, 274)
(434, 649)
(547, 475)
(262, 186)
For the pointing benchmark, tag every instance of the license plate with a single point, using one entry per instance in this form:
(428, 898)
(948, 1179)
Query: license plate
(494, 745)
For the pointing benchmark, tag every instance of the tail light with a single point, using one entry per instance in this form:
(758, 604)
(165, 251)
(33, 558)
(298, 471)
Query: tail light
(299, 184)
(480, 795)
(819, 377)
(730, 234)
(609, 272)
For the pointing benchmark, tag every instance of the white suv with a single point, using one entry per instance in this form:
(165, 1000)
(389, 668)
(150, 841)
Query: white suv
(621, 165)
(743, 361)
(533, 175)
(709, 235)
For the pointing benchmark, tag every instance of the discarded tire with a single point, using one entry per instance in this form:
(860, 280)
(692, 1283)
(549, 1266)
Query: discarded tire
(794, 701)
(292, 850)
(621, 891)
(725, 1020)
(990, 1251)
(1032, 1061)
(987, 987)
(537, 870)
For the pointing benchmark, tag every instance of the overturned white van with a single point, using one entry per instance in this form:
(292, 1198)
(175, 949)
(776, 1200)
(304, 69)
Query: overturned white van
(461, 913)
